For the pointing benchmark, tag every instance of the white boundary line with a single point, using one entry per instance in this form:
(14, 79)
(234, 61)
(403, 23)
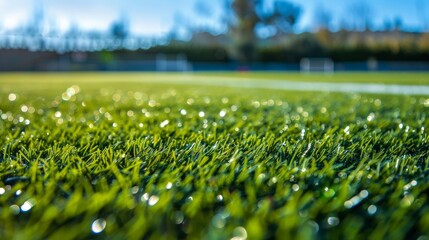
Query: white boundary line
(219, 81)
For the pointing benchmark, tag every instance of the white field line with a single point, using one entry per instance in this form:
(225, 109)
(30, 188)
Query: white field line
(219, 81)
(326, 87)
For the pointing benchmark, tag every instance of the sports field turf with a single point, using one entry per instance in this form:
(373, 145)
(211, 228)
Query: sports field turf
(120, 156)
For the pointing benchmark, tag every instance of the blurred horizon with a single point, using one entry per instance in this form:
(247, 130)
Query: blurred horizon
(187, 35)
(181, 18)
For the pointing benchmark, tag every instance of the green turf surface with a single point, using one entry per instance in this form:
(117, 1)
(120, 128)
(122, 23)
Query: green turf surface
(110, 156)
(406, 78)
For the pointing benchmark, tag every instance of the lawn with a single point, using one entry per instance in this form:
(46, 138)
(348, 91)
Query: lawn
(130, 156)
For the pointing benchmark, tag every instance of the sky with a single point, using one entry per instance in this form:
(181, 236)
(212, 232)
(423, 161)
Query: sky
(159, 17)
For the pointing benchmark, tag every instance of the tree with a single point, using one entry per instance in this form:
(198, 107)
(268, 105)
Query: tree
(361, 14)
(244, 16)
(120, 30)
(322, 18)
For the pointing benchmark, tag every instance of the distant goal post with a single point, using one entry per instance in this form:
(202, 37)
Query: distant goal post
(325, 65)
(177, 62)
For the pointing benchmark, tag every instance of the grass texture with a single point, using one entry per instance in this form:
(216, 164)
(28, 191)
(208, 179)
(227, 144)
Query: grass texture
(85, 157)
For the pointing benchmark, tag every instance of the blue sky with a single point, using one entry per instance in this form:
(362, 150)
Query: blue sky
(158, 17)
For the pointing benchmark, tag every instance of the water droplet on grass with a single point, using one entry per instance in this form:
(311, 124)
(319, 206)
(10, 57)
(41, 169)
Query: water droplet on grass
(135, 190)
(98, 225)
(372, 209)
(218, 221)
(239, 233)
(363, 194)
(27, 205)
(12, 97)
(164, 123)
(2, 191)
(333, 221)
(370, 117)
(295, 187)
(14, 209)
(346, 130)
(153, 200)
(145, 197)
(178, 217)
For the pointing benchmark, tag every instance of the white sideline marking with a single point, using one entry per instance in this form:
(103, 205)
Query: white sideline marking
(297, 85)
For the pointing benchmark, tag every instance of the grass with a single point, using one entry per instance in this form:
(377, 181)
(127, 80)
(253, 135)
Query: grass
(101, 156)
(403, 78)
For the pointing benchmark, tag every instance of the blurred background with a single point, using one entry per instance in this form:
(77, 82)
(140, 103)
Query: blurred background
(204, 35)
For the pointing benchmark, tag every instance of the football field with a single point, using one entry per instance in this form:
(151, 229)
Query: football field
(214, 156)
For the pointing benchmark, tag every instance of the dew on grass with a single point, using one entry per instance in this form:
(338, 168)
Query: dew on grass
(178, 217)
(234, 108)
(201, 114)
(356, 199)
(135, 190)
(24, 108)
(372, 209)
(295, 187)
(183, 112)
(274, 180)
(239, 233)
(27, 205)
(256, 104)
(222, 113)
(2, 191)
(219, 197)
(314, 225)
(370, 117)
(190, 101)
(409, 185)
(15, 209)
(18, 192)
(169, 185)
(261, 177)
(145, 197)
(12, 97)
(152, 103)
(98, 225)
(333, 221)
(377, 102)
(130, 113)
(116, 97)
(218, 221)
(164, 123)
(347, 130)
(363, 194)
(153, 200)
